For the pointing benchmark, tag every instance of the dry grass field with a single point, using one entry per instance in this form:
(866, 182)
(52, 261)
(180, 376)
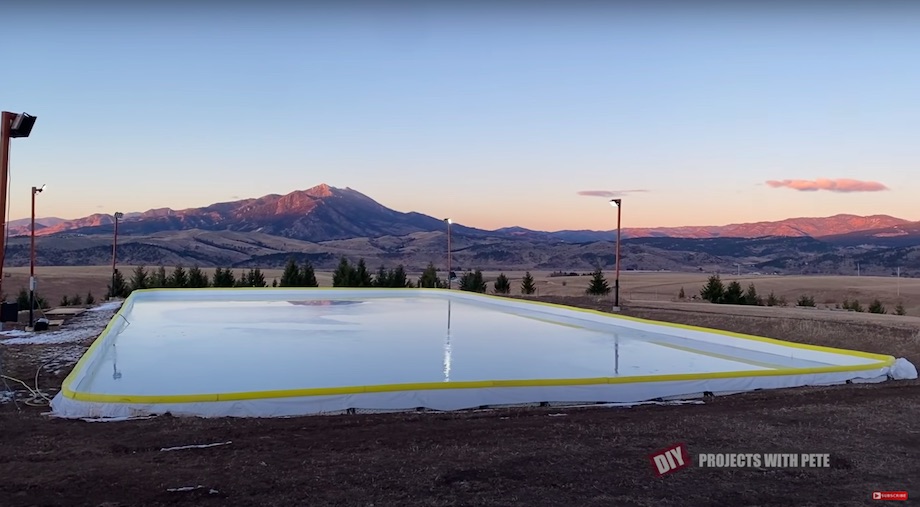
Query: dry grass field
(661, 287)
(590, 457)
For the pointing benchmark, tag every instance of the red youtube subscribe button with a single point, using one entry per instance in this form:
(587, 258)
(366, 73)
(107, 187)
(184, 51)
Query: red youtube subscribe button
(890, 495)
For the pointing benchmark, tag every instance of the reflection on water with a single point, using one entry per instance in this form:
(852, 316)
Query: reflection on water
(182, 347)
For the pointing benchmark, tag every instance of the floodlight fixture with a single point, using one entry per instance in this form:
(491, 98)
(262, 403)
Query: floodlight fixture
(615, 202)
(22, 125)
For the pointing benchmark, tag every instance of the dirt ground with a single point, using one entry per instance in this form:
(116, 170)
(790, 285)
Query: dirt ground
(547, 456)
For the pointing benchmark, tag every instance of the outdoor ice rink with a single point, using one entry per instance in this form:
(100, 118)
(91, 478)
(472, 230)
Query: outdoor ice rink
(283, 352)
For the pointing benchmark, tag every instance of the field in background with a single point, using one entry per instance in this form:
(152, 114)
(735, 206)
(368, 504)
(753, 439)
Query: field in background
(663, 287)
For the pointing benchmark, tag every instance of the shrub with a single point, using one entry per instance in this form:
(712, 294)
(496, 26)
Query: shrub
(806, 300)
(65, 301)
(899, 309)
(681, 295)
(89, 298)
(76, 300)
(877, 307)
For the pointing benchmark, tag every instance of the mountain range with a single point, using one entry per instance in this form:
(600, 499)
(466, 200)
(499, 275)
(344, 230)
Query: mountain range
(323, 223)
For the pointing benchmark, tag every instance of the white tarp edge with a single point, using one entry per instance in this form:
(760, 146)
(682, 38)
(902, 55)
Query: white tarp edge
(460, 399)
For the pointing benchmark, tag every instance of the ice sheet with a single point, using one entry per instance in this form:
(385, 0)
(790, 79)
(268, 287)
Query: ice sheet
(212, 346)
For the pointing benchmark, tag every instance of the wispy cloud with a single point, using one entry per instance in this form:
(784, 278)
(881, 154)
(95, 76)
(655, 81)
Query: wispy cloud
(608, 193)
(836, 185)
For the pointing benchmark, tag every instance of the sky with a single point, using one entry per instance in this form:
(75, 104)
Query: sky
(493, 114)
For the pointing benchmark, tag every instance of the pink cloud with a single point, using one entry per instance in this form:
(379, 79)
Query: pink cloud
(607, 193)
(837, 185)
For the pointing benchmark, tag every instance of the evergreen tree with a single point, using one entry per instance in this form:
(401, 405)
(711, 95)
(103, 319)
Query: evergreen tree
(292, 275)
(773, 301)
(274, 282)
(179, 278)
(158, 279)
(65, 301)
(598, 285)
(197, 279)
(681, 294)
(751, 297)
(308, 275)
(89, 298)
(382, 278)
(734, 294)
(362, 277)
(472, 281)
(502, 284)
(899, 310)
(713, 291)
(877, 307)
(399, 278)
(243, 280)
(76, 300)
(527, 284)
(223, 278)
(256, 278)
(120, 288)
(139, 279)
(429, 278)
(343, 275)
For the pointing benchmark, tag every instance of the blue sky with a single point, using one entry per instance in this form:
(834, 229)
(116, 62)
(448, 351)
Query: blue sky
(493, 116)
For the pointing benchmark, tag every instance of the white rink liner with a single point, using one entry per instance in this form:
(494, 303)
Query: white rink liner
(286, 352)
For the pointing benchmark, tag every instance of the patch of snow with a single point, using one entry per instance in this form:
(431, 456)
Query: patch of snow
(113, 419)
(106, 307)
(198, 446)
(85, 326)
(15, 332)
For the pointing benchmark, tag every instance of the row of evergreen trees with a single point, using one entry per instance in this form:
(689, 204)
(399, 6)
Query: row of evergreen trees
(182, 278)
(346, 275)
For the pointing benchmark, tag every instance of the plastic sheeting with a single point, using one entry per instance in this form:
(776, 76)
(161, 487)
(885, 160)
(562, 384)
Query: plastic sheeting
(81, 398)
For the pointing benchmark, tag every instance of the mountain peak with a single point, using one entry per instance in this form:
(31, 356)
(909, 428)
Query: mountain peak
(321, 190)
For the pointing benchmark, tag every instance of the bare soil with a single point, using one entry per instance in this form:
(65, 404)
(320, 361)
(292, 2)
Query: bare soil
(547, 456)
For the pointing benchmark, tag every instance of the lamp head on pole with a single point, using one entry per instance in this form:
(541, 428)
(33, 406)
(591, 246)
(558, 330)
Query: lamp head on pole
(36, 190)
(615, 202)
(448, 220)
(118, 215)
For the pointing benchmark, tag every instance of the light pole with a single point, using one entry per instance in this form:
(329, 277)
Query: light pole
(616, 281)
(118, 215)
(12, 125)
(448, 221)
(35, 190)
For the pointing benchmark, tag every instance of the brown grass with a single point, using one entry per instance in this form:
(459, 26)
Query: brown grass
(56, 281)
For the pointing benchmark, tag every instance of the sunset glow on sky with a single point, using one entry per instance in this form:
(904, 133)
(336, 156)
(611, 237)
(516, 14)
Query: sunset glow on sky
(496, 116)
